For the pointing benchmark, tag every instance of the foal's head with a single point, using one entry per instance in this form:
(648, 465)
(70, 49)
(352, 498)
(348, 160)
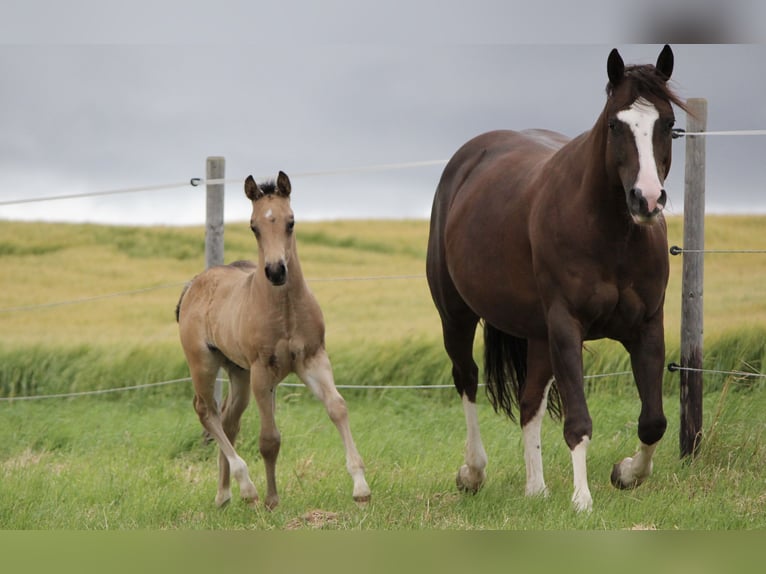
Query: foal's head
(640, 119)
(272, 223)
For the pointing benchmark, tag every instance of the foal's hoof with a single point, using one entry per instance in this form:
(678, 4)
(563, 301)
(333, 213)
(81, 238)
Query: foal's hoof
(363, 499)
(469, 480)
(222, 499)
(271, 502)
(622, 478)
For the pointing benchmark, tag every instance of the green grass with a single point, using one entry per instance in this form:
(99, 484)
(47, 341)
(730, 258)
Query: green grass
(134, 460)
(139, 462)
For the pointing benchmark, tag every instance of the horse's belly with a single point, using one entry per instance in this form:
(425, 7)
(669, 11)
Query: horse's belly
(504, 296)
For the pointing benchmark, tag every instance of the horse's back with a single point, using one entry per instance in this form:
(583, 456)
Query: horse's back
(212, 286)
(516, 155)
(481, 205)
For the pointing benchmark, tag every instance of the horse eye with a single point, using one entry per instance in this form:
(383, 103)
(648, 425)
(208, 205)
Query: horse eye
(254, 229)
(612, 124)
(290, 225)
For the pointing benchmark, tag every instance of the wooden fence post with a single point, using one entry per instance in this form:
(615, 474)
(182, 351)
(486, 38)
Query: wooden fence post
(215, 170)
(692, 279)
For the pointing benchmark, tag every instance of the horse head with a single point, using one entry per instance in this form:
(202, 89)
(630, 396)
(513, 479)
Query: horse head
(272, 222)
(639, 121)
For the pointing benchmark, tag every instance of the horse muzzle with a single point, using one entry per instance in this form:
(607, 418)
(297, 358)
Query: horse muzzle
(644, 208)
(276, 273)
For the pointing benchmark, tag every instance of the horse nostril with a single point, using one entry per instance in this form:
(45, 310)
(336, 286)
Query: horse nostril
(276, 273)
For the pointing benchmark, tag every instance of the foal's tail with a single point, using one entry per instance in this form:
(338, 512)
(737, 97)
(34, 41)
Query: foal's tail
(181, 298)
(505, 372)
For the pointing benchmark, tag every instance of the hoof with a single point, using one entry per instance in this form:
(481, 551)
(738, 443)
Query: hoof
(271, 502)
(469, 480)
(620, 481)
(364, 499)
(583, 504)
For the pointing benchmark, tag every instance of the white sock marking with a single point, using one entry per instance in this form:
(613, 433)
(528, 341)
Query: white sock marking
(581, 498)
(533, 456)
(475, 455)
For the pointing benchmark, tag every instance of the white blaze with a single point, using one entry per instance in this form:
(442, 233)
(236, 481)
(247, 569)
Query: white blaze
(640, 117)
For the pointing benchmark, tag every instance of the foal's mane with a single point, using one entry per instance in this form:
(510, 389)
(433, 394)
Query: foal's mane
(268, 187)
(645, 80)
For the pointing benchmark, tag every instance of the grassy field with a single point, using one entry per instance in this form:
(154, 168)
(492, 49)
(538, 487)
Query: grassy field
(134, 460)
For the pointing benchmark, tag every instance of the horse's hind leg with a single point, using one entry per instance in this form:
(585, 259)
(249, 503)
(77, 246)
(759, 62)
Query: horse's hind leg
(532, 405)
(236, 403)
(458, 342)
(316, 374)
(204, 369)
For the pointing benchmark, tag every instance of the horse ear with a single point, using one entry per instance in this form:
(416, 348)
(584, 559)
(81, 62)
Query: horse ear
(252, 191)
(283, 184)
(615, 68)
(665, 63)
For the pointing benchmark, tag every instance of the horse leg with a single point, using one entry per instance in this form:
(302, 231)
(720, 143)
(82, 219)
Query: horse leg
(533, 404)
(647, 360)
(236, 403)
(316, 374)
(566, 340)
(458, 342)
(265, 388)
(204, 371)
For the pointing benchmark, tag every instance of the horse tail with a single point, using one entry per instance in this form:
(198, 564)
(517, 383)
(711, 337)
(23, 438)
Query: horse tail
(505, 372)
(180, 299)
(505, 368)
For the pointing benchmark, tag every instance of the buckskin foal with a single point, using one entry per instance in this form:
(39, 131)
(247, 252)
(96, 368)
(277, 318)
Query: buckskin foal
(260, 322)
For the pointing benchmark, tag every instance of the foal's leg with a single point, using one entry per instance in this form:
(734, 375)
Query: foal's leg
(265, 388)
(533, 404)
(236, 403)
(647, 359)
(203, 372)
(316, 374)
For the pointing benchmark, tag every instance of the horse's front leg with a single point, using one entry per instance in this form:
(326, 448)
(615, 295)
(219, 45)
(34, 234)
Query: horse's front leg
(565, 338)
(264, 386)
(316, 374)
(647, 357)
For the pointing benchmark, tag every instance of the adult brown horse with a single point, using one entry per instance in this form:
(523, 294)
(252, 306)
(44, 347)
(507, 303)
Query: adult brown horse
(259, 322)
(553, 242)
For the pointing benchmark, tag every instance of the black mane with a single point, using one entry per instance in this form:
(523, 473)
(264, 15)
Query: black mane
(268, 187)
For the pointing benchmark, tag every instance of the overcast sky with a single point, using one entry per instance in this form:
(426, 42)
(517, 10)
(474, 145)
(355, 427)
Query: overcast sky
(83, 112)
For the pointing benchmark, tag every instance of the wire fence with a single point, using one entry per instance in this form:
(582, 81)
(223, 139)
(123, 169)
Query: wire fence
(196, 181)
(287, 385)
(672, 367)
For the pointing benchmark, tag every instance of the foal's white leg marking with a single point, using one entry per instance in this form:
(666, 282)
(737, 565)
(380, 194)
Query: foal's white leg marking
(641, 117)
(581, 498)
(471, 475)
(238, 469)
(316, 374)
(533, 456)
(632, 471)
